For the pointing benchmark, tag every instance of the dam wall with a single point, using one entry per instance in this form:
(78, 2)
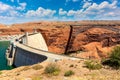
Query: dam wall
(26, 55)
(19, 54)
(23, 57)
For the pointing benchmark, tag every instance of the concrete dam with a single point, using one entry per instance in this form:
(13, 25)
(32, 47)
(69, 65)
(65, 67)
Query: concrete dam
(31, 49)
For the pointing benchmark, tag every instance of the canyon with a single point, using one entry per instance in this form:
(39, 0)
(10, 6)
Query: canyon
(89, 39)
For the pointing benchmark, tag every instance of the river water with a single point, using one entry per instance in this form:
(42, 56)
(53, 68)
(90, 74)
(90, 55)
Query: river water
(3, 62)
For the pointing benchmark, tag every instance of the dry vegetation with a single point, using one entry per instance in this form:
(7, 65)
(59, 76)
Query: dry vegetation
(60, 70)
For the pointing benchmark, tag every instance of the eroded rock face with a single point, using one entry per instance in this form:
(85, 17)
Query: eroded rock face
(88, 36)
(56, 38)
(96, 40)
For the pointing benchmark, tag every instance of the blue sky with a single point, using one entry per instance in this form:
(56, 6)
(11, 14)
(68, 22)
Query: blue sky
(19, 11)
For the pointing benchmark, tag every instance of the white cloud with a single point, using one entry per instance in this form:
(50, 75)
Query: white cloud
(4, 7)
(95, 11)
(8, 13)
(89, 10)
(7, 10)
(71, 13)
(110, 14)
(101, 10)
(105, 4)
(74, 13)
(98, 8)
(12, 11)
(22, 6)
(62, 12)
(5, 18)
(40, 12)
(87, 4)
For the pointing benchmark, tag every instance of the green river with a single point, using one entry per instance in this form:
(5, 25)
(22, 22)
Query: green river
(3, 62)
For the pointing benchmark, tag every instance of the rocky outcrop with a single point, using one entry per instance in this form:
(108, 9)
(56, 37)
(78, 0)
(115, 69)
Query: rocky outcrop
(105, 37)
(96, 42)
(56, 38)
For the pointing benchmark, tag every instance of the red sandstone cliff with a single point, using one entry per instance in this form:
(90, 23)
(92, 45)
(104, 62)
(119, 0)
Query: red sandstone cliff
(95, 38)
(96, 42)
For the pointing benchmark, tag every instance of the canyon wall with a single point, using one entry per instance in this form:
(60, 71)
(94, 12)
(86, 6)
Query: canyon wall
(95, 39)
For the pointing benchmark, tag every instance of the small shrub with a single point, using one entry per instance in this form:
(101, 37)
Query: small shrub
(37, 67)
(25, 68)
(93, 65)
(71, 65)
(69, 73)
(52, 69)
(0, 72)
(114, 58)
(37, 78)
(56, 73)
